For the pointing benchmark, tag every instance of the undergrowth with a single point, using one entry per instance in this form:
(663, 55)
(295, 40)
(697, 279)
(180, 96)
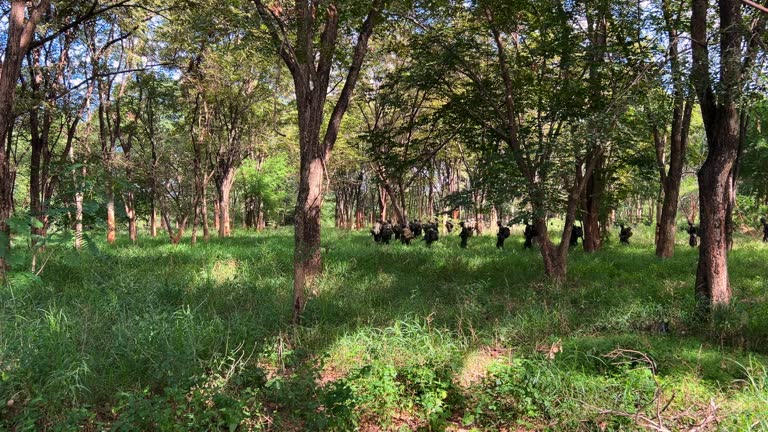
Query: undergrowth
(159, 337)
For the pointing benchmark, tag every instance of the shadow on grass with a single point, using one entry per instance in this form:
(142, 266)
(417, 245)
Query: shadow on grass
(152, 315)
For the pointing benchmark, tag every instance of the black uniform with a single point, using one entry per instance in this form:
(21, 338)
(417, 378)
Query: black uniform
(502, 235)
(529, 234)
(449, 226)
(465, 234)
(625, 234)
(407, 236)
(430, 234)
(576, 233)
(398, 230)
(376, 232)
(417, 228)
(693, 233)
(765, 229)
(386, 232)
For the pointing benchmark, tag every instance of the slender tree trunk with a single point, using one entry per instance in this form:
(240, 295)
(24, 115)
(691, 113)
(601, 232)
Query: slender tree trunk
(734, 180)
(307, 258)
(204, 210)
(111, 225)
(153, 219)
(17, 42)
(216, 215)
(382, 203)
(592, 207)
(225, 189)
(671, 180)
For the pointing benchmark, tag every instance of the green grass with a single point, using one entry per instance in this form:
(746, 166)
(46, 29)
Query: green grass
(159, 337)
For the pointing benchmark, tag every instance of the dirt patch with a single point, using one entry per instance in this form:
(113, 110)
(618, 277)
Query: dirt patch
(476, 364)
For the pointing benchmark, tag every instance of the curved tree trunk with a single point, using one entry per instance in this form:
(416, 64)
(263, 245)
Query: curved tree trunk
(667, 224)
(712, 284)
(720, 112)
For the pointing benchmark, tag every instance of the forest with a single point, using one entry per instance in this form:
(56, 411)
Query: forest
(383, 215)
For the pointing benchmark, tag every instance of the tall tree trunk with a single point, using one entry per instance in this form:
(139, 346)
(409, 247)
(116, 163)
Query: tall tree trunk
(129, 196)
(111, 225)
(721, 122)
(671, 180)
(712, 284)
(204, 210)
(17, 42)
(311, 71)
(216, 215)
(592, 207)
(153, 218)
(224, 190)
(734, 180)
(382, 203)
(307, 259)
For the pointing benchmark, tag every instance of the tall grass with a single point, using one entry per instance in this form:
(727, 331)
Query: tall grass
(159, 337)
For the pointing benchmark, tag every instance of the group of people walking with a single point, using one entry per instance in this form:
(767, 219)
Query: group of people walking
(384, 231)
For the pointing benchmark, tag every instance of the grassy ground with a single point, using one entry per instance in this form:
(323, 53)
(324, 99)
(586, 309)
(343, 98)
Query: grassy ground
(159, 337)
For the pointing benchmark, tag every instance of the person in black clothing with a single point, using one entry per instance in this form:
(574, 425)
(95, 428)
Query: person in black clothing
(625, 234)
(576, 233)
(449, 226)
(376, 231)
(417, 228)
(386, 232)
(465, 234)
(693, 233)
(529, 234)
(430, 233)
(502, 235)
(398, 230)
(406, 236)
(765, 229)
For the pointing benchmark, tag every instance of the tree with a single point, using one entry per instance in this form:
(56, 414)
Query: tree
(22, 21)
(310, 61)
(673, 154)
(516, 71)
(719, 100)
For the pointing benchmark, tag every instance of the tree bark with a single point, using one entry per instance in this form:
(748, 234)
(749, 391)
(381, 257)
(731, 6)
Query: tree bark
(311, 70)
(671, 180)
(17, 42)
(224, 187)
(721, 121)
(592, 241)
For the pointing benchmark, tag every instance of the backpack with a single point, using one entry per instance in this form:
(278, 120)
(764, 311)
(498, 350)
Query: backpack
(505, 232)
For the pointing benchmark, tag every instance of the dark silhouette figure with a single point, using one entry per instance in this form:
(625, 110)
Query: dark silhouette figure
(693, 233)
(502, 235)
(465, 234)
(376, 231)
(417, 228)
(407, 236)
(386, 232)
(430, 234)
(529, 234)
(765, 229)
(449, 226)
(576, 233)
(398, 230)
(625, 234)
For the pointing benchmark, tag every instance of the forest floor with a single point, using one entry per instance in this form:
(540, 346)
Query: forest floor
(159, 337)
